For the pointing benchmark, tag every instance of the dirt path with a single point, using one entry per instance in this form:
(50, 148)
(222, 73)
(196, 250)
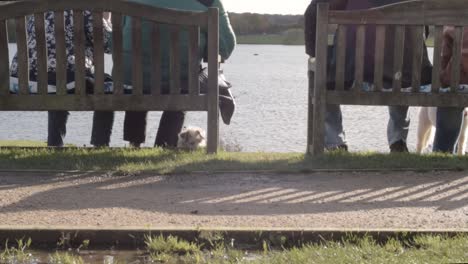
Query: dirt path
(318, 201)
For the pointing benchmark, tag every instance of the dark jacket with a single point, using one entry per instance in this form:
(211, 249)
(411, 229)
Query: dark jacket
(310, 31)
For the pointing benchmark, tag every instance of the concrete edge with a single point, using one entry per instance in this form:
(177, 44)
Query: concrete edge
(133, 237)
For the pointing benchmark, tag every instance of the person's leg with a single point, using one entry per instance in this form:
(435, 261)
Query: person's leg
(57, 128)
(448, 125)
(398, 127)
(169, 128)
(335, 137)
(135, 127)
(102, 128)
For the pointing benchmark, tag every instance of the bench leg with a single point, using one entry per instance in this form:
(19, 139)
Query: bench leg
(213, 131)
(310, 113)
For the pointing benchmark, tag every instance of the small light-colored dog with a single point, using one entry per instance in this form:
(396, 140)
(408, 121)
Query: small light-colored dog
(191, 138)
(426, 129)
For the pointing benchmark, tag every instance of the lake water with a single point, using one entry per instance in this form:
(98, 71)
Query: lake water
(270, 86)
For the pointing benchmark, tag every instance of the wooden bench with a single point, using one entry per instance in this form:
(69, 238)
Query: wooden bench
(411, 15)
(178, 21)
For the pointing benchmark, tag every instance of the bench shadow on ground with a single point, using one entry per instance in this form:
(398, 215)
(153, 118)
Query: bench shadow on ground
(236, 194)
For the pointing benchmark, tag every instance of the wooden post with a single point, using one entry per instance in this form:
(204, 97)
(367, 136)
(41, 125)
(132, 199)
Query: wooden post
(213, 92)
(4, 63)
(320, 80)
(310, 112)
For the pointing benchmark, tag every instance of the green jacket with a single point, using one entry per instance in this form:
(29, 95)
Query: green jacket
(227, 39)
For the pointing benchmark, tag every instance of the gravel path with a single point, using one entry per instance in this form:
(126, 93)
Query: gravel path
(392, 200)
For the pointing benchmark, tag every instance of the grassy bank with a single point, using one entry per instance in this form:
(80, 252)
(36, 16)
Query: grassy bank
(421, 249)
(157, 160)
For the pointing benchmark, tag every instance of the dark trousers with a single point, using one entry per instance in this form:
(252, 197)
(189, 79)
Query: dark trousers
(101, 131)
(448, 126)
(102, 122)
(170, 126)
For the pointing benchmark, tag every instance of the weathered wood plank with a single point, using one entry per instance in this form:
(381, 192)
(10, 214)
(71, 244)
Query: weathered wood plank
(360, 51)
(156, 59)
(61, 69)
(418, 45)
(137, 57)
(98, 52)
(398, 54)
(438, 34)
(105, 102)
(310, 108)
(146, 12)
(117, 68)
(456, 59)
(340, 57)
(213, 92)
(404, 98)
(4, 64)
(79, 47)
(175, 60)
(41, 48)
(379, 57)
(23, 58)
(320, 87)
(194, 60)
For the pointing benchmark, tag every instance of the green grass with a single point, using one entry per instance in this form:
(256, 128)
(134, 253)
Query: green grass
(290, 37)
(161, 161)
(420, 249)
(65, 258)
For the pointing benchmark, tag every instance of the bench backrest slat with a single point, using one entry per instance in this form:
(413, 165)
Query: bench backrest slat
(418, 40)
(61, 69)
(436, 63)
(156, 75)
(79, 49)
(4, 64)
(117, 69)
(379, 57)
(174, 60)
(456, 59)
(98, 52)
(137, 57)
(23, 68)
(360, 52)
(193, 80)
(398, 55)
(41, 53)
(340, 57)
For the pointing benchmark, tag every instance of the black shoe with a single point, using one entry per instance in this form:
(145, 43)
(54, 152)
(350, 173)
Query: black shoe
(342, 147)
(399, 146)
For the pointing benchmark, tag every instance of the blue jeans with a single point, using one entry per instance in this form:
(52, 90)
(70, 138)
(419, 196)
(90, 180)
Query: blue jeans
(448, 126)
(397, 129)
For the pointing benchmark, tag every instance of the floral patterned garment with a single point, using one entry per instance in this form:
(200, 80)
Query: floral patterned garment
(50, 39)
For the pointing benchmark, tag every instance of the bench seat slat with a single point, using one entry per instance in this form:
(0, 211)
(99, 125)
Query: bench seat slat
(23, 58)
(4, 64)
(98, 52)
(105, 102)
(117, 68)
(379, 57)
(79, 48)
(438, 34)
(194, 56)
(398, 54)
(137, 57)
(156, 59)
(175, 60)
(61, 69)
(340, 57)
(456, 59)
(418, 45)
(360, 51)
(41, 53)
